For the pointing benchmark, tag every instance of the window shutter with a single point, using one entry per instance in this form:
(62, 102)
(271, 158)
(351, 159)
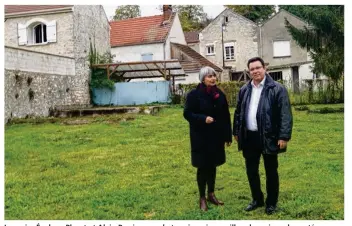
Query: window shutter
(282, 48)
(51, 31)
(22, 34)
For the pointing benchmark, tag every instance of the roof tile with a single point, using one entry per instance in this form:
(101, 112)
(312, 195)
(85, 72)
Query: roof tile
(29, 8)
(140, 30)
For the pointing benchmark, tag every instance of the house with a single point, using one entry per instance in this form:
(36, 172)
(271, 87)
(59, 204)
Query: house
(287, 60)
(46, 53)
(192, 39)
(153, 38)
(229, 41)
(146, 38)
(191, 62)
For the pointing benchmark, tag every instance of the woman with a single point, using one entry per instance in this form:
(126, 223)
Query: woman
(207, 112)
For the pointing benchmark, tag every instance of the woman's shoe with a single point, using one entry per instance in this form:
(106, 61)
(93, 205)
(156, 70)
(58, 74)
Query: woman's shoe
(203, 204)
(214, 200)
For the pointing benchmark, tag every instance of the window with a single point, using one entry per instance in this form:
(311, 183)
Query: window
(282, 48)
(147, 57)
(210, 49)
(229, 49)
(39, 32)
(36, 31)
(226, 19)
(237, 76)
(276, 75)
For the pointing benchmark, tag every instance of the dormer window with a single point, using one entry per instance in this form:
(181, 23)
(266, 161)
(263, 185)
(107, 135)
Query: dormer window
(39, 32)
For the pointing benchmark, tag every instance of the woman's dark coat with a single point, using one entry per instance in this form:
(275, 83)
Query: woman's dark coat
(207, 140)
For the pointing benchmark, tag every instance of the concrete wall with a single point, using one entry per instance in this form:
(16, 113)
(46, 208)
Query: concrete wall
(239, 30)
(31, 61)
(90, 25)
(191, 78)
(64, 34)
(134, 53)
(127, 93)
(275, 29)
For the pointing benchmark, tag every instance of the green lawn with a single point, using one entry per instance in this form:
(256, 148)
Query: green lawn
(110, 169)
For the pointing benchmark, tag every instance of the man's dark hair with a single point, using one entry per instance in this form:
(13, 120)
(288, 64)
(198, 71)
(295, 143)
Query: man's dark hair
(255, 59)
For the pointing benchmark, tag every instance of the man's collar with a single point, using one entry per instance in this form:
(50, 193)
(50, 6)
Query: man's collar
(261, 83)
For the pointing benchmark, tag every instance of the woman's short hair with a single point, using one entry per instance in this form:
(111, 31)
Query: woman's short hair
(204, 71)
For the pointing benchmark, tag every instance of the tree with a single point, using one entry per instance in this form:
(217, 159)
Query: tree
(297, 10)
(323, 38)
(192, 17)
(256, 13)
(124, 12)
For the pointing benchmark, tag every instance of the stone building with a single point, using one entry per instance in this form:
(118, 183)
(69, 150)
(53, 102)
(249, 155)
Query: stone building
(229, 41)
(46, 56)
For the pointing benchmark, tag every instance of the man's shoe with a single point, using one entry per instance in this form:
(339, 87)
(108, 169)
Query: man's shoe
(203, 204)
(254, 205)
(270, 209)
(214, 200)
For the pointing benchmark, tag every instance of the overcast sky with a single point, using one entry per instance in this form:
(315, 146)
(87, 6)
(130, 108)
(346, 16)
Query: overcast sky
(151, 10)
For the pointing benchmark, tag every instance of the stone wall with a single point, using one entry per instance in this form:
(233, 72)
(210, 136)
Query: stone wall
(36, 82)
(90, 26)
(41, 77)
(239, 30)
(64, 34)
(33, 94)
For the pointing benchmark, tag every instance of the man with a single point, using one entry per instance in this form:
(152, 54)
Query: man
(262, 126)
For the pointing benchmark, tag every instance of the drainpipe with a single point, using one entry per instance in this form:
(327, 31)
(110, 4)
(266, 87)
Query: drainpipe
(222, 46)
(260, 41)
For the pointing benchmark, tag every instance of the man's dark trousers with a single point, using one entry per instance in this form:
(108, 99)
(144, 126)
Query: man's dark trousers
(252, 151)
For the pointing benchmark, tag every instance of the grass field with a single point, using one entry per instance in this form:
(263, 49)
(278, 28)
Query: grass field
(138, 167)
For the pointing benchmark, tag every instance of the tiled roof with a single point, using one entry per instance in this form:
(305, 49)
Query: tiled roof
(140, 30)
(198, 61)
(30, 8)
(192, 36)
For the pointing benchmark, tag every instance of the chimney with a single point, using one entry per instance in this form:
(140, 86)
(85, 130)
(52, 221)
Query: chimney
(167, 11)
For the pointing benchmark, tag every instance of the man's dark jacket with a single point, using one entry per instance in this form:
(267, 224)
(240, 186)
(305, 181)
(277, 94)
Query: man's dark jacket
(274, 116)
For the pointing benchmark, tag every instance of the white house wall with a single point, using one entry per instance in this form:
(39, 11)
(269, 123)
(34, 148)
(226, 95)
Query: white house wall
(176, 35)
(191, 78)
(305, 72)
(286, 76)
(194, 46)
(134, 53)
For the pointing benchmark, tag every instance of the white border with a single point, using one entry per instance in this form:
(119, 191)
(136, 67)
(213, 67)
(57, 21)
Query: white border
(348, 80)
